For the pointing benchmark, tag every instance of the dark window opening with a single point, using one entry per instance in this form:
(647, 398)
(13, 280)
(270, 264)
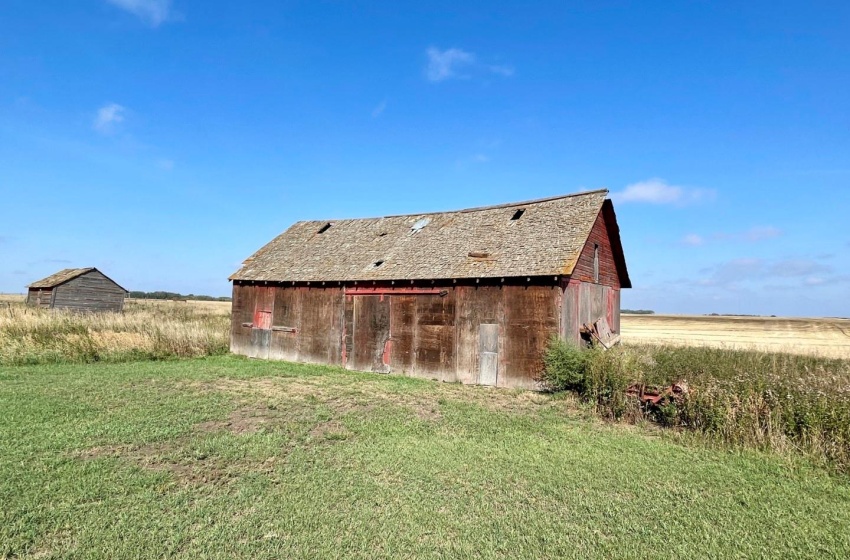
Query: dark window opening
(376, 264)
(382, 234)
(596, 263)
(325, 228)
(518, 214)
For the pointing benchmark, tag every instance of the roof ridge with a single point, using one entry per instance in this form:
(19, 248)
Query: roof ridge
(462, 210)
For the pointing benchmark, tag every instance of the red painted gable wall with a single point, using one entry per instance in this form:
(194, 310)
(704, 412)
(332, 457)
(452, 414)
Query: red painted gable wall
(607, 267)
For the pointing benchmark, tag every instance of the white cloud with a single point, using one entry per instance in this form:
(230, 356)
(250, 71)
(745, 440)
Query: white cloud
(446, 64)
(693, 240)
(460, 64)
(154, 12)
(752, 235)
(108, 117)
(376, 112)
(761, 233)
(658, 191)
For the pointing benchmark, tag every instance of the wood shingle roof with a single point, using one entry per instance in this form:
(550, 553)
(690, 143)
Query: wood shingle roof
(535, 238)
(60, 277)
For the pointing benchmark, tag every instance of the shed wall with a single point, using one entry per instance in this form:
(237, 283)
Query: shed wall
(585, 303)
(90, 292)
(39, 297)
(419, 334)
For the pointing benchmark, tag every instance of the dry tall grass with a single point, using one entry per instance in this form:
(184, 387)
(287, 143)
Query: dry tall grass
(145, 330)
(767, 400)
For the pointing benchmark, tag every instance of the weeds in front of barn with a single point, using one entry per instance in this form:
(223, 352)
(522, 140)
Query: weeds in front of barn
(769, 401)
(144, 331)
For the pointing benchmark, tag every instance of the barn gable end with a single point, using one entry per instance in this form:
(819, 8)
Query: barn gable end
(605, 236)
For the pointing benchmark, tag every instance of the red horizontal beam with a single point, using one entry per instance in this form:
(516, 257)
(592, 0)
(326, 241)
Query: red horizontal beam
(370, 291)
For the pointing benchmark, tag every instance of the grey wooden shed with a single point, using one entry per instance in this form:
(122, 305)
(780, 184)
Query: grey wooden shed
(81, 289)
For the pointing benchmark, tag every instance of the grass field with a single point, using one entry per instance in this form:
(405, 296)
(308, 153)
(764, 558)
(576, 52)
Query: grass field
(829, 338)
(147, 329)
(223, 457)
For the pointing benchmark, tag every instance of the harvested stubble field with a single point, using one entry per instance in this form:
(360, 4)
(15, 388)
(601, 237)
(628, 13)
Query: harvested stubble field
(225, 457)
(828, 338)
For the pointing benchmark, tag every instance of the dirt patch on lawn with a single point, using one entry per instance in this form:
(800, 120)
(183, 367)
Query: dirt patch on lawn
(178, 459)
(247, 420)
(343, 396)
(329, 431)
(168, 457)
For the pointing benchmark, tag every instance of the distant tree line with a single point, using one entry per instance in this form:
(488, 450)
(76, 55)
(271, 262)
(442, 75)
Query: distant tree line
(638, 311)
(173, 295)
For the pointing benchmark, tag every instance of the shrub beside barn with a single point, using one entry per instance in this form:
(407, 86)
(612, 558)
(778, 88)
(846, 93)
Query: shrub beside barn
(471, 296)
(80, 289)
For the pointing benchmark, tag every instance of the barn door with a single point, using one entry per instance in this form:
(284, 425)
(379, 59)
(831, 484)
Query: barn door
(371, 337)
(261, 328)
(488, 354)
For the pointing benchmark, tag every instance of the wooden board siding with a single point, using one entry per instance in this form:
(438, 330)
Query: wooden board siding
(585, 303)
(424, 335)
(403, 321)
(89, 292)
(475, 306)
(434, 345)
(584, 269)
(286, 314)
(371, 334)
(242, 311)
(531, 319)
(306, 324)
(40, 297)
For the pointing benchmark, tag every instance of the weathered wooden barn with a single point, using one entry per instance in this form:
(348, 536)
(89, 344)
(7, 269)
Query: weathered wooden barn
(81, 289)
(470, 296)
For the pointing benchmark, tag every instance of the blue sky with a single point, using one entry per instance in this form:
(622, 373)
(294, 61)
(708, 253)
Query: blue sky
(164, 141)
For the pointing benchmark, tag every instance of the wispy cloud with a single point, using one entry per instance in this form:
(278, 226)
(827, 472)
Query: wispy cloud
(693, 240)
(108, 117)
(376, 112)
(165, 164)
(446, 64)
(754, 234)
(759, 233)
(153, 12)
(658, 191)
(817, 281)
(456, 63)
(734, 272)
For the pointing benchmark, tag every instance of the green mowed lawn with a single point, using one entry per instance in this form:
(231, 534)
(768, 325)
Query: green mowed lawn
(225, 457)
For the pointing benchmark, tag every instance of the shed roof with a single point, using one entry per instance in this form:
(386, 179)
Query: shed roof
(534, 238)
(64, 276)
